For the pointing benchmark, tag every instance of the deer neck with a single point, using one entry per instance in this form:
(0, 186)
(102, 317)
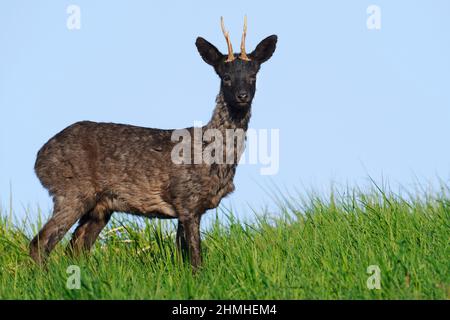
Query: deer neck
(224, 117)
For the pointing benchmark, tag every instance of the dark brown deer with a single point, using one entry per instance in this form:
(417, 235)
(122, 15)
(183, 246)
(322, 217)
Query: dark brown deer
(94, 169)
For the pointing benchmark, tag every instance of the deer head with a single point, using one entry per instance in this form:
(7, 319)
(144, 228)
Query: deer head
(237, 71)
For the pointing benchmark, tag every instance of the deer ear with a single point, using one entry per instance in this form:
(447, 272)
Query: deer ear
(210, 54)
(264, 49)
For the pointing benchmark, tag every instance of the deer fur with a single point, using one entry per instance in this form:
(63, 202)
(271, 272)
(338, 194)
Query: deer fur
(92, 170)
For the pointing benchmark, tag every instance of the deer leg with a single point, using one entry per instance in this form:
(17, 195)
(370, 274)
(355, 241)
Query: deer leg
(88, 230)
(66, 212)
(190, 224)
(182, 244)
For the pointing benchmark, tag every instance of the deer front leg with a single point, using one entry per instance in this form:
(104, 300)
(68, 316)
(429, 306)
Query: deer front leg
(188, 238)
(181, 242)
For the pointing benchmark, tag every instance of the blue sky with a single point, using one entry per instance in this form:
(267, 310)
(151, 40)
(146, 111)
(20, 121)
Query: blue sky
(348, 101)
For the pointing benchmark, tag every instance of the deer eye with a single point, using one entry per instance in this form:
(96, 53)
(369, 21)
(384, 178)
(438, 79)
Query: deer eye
(252, 78)
(227, 79)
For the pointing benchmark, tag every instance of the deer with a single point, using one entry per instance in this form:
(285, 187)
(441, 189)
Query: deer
(93, 169)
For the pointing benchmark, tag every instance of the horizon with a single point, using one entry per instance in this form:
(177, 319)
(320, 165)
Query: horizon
(349, 102)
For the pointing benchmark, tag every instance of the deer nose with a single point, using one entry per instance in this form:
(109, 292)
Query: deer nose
(242, 96)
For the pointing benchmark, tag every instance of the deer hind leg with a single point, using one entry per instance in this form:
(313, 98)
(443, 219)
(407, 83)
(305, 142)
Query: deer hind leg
(67, 210)
(88, 230)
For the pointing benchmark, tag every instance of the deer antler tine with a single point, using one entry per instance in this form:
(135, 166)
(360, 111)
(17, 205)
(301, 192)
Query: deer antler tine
(243, 55)
(227, 38)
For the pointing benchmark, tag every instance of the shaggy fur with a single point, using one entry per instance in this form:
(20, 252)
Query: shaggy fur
(94, 169)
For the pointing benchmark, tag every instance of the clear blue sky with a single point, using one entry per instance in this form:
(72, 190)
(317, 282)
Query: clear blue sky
(348, 101)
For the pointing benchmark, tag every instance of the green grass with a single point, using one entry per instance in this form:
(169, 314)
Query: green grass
(314, 249)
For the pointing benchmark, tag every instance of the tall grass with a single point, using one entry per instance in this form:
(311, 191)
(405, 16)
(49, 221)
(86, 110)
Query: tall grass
(314, 249)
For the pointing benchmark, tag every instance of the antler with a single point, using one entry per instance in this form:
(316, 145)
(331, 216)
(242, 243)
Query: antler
(227, 37)
(243, 55)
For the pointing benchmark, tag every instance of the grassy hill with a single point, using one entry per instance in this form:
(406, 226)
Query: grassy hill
(315, 249)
